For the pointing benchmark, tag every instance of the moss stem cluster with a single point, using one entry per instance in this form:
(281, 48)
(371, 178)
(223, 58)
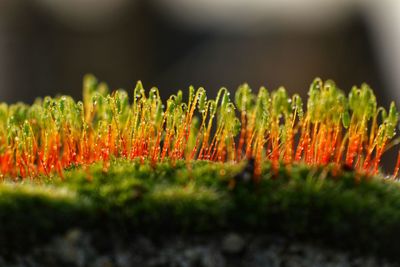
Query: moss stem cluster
(56, 133)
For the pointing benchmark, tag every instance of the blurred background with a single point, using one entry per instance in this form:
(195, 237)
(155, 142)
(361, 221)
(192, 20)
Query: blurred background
(46, 46)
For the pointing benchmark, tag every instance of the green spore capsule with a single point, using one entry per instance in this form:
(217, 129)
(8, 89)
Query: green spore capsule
(202, 100)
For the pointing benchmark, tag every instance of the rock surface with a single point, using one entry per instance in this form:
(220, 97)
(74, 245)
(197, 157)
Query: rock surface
(78, 249)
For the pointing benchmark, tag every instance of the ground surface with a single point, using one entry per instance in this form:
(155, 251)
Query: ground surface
(78, 249)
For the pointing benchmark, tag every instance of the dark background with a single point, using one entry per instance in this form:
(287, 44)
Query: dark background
(46, 46)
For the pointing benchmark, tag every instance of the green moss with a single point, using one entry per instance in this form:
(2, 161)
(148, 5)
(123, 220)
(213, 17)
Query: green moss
(351, 212)
(32, 213)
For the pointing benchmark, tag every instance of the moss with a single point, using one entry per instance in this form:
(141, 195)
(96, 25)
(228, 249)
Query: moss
(33, 213)
(345, 210)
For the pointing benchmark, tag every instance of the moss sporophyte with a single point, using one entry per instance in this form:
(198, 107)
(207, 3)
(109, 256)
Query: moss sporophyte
(335, 129)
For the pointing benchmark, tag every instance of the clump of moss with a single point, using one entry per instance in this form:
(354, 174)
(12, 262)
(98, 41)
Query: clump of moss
(108, 164)
(312, 203)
